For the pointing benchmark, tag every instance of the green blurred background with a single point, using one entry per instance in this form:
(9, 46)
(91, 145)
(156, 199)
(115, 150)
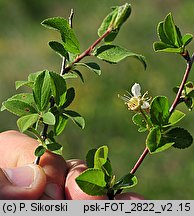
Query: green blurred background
(24, 49)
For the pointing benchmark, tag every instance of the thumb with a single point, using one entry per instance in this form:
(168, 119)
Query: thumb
(27, 182)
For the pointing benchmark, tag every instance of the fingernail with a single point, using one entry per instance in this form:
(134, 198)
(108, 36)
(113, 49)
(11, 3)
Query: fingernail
(21, 176)
(54, 191)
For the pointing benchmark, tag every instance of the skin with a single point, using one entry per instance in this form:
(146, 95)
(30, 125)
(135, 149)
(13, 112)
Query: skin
(54, 178)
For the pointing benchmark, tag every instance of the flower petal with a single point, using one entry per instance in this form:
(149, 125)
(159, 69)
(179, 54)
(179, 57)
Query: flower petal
(136, 90)
(145, 105)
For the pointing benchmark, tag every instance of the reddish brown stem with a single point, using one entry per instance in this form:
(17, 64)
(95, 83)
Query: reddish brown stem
(184, 80)
(88, 51)
(140, 160)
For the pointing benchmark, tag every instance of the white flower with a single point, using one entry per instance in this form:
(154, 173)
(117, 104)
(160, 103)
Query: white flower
(135, 101)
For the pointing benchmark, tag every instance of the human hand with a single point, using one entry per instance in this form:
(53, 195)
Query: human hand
(53, 179)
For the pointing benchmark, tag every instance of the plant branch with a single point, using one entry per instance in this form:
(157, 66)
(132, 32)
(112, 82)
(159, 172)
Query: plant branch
(52, 101)
(184, 80)
(63, 65)
(136, 166)
(88, 51)
(44, 131)
(139, 161)
(172, 108)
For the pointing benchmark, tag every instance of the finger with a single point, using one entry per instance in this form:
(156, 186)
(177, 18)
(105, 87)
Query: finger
(27, 182)
(72, 190)
(19, 150)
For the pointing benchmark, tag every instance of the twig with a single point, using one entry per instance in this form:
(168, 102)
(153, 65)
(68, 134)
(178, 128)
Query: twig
(88, 51)
(172, 108)
(63, 65)
(71, 18)
(44, 131)
(184, 80)
(52, 101)
(140, 160)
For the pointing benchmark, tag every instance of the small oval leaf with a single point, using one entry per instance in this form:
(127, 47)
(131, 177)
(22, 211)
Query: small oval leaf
(60, 124)
(125, 182)
(27, 121)
(58, 48)
(94, 67)
(100, 157)
(48, 118)
(58, 87)
(42, 90)
(92, 181)
(181, 138)
(75, 117)
(71, 43)
(18, 107)
(159, 111)
(39, 151)
(114, 54)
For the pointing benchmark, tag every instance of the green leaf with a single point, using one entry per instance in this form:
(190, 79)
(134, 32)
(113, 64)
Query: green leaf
(69, 75)
(58, 48)
(100, 157)
(170, 37)
(170, 29)
(53, 147)
(60, 124)
(160, 46)
(153, 139)
(42, 90)
(75, 117)
(71, 43)
(189, 84)
(55, 23)
(77, 73)
(155, 142)
(126, 182)
(189, 103)
(29, 82)
(24, 97)
(114, 54)
(19, 84)
(58, 87)
(32, 77)
(91, 66)
(107, 168)
(92, 181)
(70, 95)
(18, 107)
(181, 137)
(39, 151)
(189, 89)
(48, 118)
(90, 158)
(123, 14)
(159, 111)
(162, 34)
(179, 37)
(186, 39)
(27, 121)
(114, 21)
(108, 24)
(140, 121)
(175, 117)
